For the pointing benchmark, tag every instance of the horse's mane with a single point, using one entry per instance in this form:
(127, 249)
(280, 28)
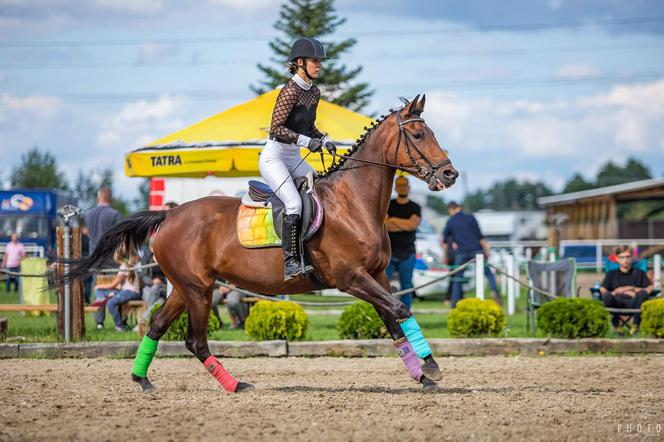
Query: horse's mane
(356, 146)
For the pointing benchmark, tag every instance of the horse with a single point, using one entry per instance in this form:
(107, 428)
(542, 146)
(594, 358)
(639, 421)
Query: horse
(196, 243)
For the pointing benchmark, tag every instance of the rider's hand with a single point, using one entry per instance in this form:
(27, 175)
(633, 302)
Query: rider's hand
(315, 145)
(330, 146)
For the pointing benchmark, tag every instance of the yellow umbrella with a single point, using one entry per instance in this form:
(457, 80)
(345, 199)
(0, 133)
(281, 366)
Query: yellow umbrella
(229, 143)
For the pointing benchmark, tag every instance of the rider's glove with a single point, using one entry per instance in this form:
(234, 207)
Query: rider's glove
(315, 145)
(329, 145)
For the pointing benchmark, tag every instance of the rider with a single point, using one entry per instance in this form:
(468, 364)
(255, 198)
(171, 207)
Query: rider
(293, 126)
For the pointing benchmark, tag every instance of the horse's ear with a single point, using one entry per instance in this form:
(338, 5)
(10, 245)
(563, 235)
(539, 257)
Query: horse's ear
(420, 107)
(413, 105)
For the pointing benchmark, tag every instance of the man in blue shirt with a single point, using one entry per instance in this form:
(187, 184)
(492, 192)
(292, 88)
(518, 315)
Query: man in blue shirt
(466, 239)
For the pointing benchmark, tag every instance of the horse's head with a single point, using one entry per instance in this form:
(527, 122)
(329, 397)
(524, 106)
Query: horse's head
(413, 146)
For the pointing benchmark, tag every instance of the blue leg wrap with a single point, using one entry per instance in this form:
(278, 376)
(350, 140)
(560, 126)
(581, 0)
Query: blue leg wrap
(414, 334)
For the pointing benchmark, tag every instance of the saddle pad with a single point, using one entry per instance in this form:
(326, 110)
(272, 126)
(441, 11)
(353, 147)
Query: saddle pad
(255, 227)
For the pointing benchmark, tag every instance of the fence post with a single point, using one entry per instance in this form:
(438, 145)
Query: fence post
(503, 278)
(517, 275)
(598, 257)
(657, 271)
(510, 284)
(479, 275)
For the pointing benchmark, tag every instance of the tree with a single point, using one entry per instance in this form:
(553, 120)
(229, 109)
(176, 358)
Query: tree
(437, 204)
(611, 174)
(507, 195)
(577, 183)
(86, 186)
(142, 201)
(38, 170)
(317, 19)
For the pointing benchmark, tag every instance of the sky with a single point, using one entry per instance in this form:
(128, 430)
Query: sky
(530, 89)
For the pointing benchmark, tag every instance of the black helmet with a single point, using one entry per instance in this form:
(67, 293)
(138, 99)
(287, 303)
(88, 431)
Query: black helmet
(307, 48)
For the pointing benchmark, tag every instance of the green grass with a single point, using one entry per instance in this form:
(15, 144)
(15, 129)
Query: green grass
(321, 327)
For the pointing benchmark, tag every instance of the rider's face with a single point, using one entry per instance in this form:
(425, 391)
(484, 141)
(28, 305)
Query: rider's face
(313, 66)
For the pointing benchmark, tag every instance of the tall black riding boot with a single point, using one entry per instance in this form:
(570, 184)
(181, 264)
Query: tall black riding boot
(290, 237)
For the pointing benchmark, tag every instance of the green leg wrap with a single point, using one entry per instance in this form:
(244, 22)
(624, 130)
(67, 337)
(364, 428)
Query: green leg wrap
(144, 356)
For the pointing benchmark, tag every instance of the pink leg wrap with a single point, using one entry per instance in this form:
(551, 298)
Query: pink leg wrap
(410, 359)
(218, 371)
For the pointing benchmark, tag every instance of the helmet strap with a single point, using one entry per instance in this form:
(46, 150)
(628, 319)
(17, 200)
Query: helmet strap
(304, 67)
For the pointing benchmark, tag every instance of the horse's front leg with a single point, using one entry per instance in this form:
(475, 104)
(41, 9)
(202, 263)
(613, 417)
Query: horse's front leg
(430, 367)
(394, 314)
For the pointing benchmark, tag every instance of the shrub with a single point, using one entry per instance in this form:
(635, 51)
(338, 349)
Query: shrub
(360, 321)
(178, 328)
(573, 318)
(475, 317)
(276, 320)
(652, 318)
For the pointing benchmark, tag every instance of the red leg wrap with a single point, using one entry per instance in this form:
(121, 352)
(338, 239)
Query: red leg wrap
(217, 370)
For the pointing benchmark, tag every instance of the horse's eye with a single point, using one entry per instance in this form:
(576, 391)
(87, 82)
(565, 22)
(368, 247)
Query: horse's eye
(417, 135)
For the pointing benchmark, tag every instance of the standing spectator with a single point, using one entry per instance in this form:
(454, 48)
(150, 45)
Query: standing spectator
(466, 239)
(625, 287)
(97, 221)
(14, 254)
(101, 218)
(403, 217)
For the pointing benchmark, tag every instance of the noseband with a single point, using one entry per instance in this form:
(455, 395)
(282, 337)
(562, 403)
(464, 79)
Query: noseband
(422, 172)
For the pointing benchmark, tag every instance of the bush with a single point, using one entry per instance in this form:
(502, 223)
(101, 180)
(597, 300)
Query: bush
(276, 320)
(178, 328)
(573, 318)
(360, 321)
(474, 317)
(652, 318)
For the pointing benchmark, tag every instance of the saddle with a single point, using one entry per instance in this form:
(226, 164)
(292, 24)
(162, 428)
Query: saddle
(260, 225)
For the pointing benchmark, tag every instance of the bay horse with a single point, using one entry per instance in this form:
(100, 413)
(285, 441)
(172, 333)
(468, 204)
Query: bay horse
(196, 243)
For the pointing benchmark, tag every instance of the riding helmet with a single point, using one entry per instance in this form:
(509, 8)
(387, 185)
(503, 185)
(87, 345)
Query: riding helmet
(307, 48)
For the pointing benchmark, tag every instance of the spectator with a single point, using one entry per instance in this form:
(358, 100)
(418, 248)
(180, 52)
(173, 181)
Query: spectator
(463, 233)
(625, 287)
(237, 310)
(403, 217)
(129, 289)
(101, 218)
(14, 254)
(154, 290)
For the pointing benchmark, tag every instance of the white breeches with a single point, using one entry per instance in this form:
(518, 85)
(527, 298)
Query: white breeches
(278, 162)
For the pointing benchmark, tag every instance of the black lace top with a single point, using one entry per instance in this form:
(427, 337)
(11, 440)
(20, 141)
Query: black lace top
(295, 113)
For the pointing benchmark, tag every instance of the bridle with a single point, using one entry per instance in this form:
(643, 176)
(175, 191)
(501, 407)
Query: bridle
(414, 168)
(408, 143)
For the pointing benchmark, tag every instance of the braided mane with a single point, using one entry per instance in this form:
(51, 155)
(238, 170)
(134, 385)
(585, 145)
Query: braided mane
(356, 146)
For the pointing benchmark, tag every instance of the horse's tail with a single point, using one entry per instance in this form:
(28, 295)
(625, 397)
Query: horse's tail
(128, 234)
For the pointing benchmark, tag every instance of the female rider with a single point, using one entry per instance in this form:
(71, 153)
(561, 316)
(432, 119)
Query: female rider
(292, 126)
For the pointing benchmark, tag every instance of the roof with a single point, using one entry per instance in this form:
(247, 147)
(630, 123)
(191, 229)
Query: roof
(249, 124)
(617, 190)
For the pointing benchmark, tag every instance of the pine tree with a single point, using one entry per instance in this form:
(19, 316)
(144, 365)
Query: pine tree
(316, 19)
(38, 170)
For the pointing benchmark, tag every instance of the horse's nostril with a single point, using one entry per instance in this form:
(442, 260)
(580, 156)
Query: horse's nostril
(451, 174)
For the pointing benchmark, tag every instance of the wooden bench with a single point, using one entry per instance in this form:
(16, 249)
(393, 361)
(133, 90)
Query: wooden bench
(50, 308)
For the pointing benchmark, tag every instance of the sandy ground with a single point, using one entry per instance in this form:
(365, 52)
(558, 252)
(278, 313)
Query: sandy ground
(488, 398)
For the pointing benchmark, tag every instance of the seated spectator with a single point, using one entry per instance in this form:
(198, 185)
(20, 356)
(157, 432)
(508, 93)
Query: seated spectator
(129, 289)
(237, 310)
(625, 287)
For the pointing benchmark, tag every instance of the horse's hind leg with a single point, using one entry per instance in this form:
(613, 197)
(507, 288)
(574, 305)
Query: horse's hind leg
(159, 323)
(199, 316)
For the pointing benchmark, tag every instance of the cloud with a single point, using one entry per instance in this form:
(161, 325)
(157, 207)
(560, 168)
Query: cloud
(246, 5)
(150, 52)
(554, 137)
(577, 72)
(141, 122)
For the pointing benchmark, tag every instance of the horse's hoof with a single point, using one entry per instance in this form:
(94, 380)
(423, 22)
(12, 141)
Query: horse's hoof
(432, 371)
(145, 384)
(243, 387)
(429, 386)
